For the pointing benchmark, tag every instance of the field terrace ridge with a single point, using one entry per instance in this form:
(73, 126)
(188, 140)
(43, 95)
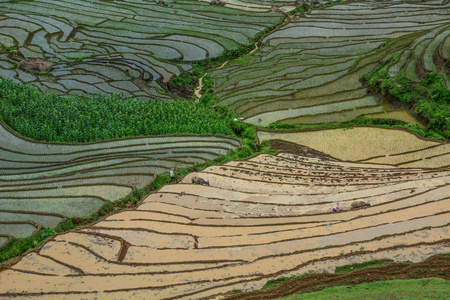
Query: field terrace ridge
(259, 219)
(309, 70)
(42, 183)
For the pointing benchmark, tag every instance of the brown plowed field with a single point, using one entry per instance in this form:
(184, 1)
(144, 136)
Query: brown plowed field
(260, 219)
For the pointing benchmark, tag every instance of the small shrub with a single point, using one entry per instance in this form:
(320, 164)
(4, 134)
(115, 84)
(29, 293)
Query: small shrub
(244, 152)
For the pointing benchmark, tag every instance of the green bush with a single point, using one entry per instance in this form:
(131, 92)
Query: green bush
(94, 217)
(67, 225)
(244, 152)
(249, 133)
(429, 97)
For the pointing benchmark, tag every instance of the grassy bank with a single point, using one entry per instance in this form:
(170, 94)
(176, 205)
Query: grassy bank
(413, 289)
(362, 121)
(375, 279)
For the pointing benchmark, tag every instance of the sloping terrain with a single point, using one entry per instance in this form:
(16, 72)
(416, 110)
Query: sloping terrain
(256, 219)
(41, 183)
(123, 46)
(390, 276)
(308, 71)
(259, 219)
(393, 146)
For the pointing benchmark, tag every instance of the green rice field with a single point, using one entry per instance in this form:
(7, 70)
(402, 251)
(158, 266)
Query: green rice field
(306, 65)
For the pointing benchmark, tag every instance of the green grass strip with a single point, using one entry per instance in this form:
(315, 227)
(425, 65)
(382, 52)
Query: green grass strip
(411, 289)
(362, 121)
(370, 264)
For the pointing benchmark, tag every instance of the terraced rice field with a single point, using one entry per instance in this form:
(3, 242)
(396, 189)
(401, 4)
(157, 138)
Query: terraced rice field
(308, 71)
(124, 46)
(402, 115)
(42, 183)
(259, 219)
(397, 147)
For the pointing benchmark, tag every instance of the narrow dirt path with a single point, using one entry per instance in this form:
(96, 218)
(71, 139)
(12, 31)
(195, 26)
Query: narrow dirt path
(222, 65)
(200, 82)
(256, 48)
(199, 88)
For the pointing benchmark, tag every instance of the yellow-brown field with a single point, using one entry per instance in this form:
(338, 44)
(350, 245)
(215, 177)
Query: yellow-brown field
(432, 157)
(355, 144)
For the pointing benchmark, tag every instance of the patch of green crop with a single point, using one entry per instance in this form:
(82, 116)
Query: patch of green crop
(76, 119)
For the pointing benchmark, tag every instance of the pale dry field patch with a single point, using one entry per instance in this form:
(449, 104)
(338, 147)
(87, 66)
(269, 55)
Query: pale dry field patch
(352, 144)
(433, 162)
(434, 157)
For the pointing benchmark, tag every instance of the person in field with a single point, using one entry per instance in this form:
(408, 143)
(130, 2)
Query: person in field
(172, 174)
(336, 207)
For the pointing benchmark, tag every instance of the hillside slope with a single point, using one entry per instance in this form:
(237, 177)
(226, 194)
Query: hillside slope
(258, 219)
(309, 70)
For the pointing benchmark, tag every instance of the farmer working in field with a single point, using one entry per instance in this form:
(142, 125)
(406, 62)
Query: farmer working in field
(336, 207)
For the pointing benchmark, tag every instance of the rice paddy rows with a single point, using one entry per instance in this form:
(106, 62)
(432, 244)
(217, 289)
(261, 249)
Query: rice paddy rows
(432, 157)
(317, 62)
(18, 228)
(44, 182)
(424, 55)
(255, 221)
(391, 146)
(123, 47)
